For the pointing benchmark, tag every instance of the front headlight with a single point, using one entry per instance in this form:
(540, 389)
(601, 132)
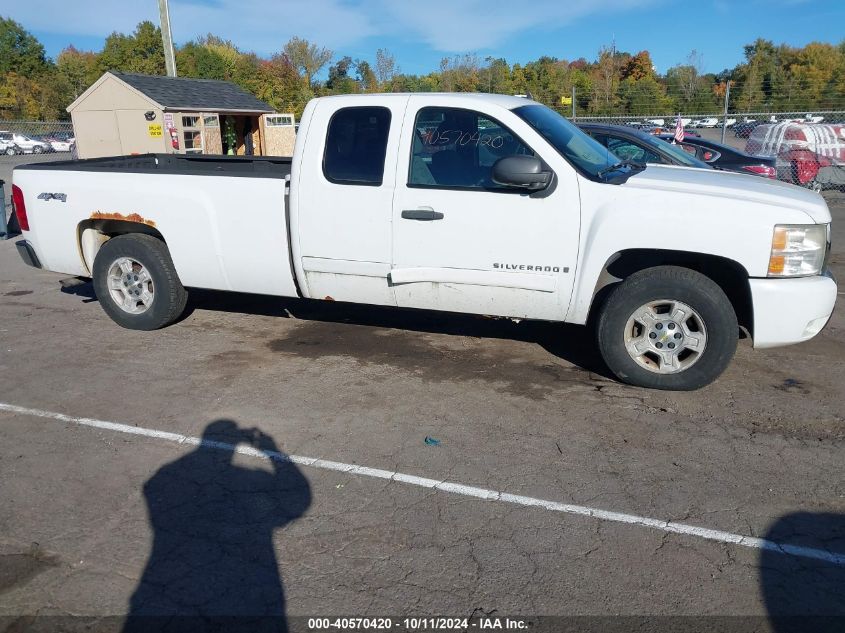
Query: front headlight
(798, 250)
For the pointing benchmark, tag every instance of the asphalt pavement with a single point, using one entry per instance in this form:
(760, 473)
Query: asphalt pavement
(302, 459)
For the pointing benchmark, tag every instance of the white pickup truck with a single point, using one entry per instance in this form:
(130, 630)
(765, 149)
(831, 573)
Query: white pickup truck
(467, 203)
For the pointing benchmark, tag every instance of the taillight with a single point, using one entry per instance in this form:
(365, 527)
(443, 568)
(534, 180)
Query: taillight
(20, 208)
(762, 170)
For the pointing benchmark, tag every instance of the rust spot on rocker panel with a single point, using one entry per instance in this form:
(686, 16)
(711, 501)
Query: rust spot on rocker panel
(329, 298)
(132, 217)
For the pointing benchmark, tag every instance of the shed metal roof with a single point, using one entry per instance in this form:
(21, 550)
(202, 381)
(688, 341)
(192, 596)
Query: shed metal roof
(182, 93)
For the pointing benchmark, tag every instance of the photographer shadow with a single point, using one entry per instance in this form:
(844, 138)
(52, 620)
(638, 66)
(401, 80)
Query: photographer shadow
(805, 594)
(213, 565)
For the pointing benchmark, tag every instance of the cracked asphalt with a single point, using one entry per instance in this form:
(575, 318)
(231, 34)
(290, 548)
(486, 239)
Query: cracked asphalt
(99, 523)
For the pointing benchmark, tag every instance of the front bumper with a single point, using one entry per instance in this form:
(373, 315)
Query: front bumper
(788, 311)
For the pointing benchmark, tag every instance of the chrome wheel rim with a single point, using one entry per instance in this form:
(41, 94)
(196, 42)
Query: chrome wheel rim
(665, 336)
(130, 285)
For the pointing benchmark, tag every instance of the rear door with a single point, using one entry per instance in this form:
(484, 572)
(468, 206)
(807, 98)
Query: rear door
(463, 243)
(343, 198)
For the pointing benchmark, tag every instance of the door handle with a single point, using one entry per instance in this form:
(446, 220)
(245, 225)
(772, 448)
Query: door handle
(421, 214)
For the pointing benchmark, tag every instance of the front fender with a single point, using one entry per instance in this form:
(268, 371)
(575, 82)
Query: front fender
(625, 219)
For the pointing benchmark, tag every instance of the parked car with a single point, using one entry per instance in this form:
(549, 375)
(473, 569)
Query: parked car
(639, 147)
(7, 144)
(708, 122)
(725, 157)
(30, 145)
(61, 145)
(808, 154)
(468, 203)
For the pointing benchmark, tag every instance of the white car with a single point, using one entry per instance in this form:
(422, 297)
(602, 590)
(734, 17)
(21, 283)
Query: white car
(29, 145)
(657, 122)
(730, 122)
(7, 144)
(62, 145)
(708, 122)
(470, 203)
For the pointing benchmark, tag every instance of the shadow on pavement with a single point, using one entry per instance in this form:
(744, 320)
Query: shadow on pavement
(213, 565)
(804, 594)
(572, 343)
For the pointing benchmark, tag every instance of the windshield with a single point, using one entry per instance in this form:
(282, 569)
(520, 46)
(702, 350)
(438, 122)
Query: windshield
(583, 151)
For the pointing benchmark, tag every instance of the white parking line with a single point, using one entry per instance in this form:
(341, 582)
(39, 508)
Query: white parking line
(447, 486)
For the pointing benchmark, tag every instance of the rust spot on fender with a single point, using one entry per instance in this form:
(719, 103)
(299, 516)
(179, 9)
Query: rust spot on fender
(132, 217)
(328, 298)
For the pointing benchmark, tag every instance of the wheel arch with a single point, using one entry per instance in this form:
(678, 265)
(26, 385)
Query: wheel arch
(93, 233)
(731, 276)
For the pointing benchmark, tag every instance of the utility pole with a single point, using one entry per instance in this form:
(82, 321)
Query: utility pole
(573, 103)
(725, 117)
(167, 39)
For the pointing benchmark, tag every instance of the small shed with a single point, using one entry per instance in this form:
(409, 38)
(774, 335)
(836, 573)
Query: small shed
(128, 113)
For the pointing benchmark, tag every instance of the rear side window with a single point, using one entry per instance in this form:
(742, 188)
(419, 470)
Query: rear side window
(356, 144)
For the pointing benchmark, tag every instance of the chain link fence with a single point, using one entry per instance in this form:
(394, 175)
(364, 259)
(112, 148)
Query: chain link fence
(31, 141)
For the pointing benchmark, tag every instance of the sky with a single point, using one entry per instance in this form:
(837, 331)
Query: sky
(421, 33)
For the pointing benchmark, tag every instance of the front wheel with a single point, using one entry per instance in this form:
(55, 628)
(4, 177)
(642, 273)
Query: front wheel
(137, 284)
(667, 328)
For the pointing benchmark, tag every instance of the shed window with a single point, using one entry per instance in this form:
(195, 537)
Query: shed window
(192, 134)
(279, 120)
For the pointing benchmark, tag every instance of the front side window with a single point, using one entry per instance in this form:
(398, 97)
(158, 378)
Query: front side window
(356, 146)
(457, 148)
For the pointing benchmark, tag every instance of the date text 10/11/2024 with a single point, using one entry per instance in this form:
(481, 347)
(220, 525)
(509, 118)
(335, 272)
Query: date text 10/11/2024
(486, 623)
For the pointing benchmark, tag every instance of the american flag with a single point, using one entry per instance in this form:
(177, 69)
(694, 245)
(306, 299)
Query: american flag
(679, 129)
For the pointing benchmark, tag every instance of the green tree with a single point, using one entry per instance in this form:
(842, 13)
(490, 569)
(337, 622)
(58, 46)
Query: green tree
(141, 52)
(366, 77)
(20, 51)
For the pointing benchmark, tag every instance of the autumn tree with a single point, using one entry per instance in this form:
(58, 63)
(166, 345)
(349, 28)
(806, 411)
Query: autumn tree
(307, 58)
(77, 69)
(385, 69)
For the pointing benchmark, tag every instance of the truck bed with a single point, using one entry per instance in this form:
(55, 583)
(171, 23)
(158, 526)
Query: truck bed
(184, 164)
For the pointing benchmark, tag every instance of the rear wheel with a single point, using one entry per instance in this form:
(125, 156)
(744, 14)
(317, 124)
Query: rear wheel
(667, 328)
(137, 284)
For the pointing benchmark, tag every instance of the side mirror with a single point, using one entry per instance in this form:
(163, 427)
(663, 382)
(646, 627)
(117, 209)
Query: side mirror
(525, 172)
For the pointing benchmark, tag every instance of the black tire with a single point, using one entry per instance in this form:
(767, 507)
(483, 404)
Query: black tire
(670, 283)
(170, 297)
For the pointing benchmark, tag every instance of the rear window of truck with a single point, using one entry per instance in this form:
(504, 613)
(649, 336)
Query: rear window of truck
(356, 145)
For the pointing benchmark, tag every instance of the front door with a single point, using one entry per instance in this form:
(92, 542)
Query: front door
(464, 243)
